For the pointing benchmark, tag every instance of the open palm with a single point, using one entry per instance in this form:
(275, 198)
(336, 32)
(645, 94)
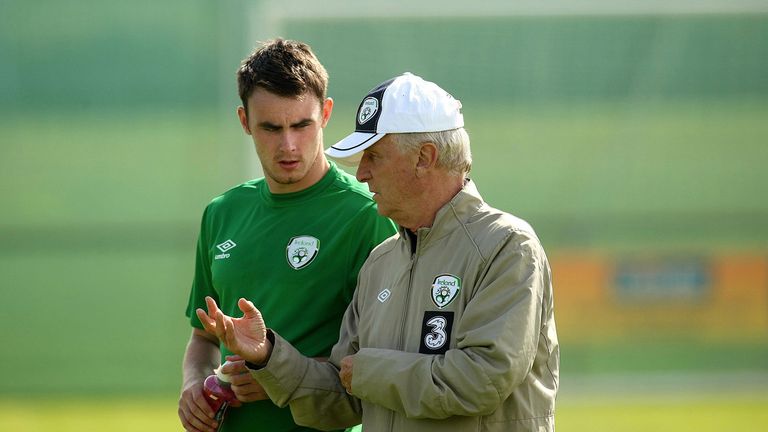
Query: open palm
(245, 336)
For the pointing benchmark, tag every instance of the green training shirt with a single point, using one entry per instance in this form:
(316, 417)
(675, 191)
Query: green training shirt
(296, 257)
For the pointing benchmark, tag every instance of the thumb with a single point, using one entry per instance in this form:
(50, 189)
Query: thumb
(249, 310)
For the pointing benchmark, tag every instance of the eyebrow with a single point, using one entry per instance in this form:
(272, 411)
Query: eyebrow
(270, 125)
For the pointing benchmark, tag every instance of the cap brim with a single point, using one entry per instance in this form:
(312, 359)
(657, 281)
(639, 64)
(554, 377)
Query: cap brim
(349, 151)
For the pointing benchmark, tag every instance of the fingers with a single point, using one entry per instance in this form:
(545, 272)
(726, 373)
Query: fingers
(219, 320)
(213, 309)
(345, 373)
(207, 319)
(194, 412)
(194, 424)
(208, 323)
(245, 387)
(241, 379)
(249, 392)
(217, 315)
(253, 396)
(189, 426)
(219, 324)
(228, 333)
(234, 365)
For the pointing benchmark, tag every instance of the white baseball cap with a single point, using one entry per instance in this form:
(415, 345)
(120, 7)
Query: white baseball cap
(403, 104)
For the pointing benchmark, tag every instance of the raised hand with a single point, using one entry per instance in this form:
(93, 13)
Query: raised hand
(246, 336)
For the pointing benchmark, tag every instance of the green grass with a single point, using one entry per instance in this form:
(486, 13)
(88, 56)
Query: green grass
(700, 413)
(86, 415)
(740, 412)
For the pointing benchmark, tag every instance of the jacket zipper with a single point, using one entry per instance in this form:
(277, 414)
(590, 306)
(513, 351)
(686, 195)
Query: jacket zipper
(400, 343)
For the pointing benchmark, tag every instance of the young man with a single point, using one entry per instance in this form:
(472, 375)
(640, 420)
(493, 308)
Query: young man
(293, 241)
(452, 323)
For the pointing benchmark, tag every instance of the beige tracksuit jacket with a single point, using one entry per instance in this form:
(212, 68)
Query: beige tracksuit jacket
(456, 335)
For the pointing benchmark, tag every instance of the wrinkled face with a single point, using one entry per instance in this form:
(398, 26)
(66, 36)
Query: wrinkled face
(391, 176)
(288, 135)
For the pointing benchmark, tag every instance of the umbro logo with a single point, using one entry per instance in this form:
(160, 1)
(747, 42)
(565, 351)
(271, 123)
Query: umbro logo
(224, 247)
(384, 295)
(227, 245)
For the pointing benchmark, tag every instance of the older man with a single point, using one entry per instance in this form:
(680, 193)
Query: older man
(452, 324)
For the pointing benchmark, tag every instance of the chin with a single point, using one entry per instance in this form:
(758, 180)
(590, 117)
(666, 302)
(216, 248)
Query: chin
(289, 177)
(383, 210)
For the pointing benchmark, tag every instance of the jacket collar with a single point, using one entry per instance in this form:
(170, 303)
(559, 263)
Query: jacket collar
(451, 216)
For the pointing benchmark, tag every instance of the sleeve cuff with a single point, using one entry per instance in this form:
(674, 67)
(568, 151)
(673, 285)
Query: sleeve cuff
(254, 366)
(283, 371)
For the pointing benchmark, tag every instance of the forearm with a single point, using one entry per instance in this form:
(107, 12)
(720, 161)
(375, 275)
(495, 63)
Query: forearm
(460, 382)
(200, 358)
(311, 388)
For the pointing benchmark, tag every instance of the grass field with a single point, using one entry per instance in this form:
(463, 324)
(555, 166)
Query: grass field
(700, 413)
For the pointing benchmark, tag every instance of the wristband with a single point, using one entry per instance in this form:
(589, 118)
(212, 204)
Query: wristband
(253, 366)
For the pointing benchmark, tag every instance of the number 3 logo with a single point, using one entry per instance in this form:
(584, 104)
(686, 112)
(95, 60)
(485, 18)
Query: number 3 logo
(436, 332)
(437, 337)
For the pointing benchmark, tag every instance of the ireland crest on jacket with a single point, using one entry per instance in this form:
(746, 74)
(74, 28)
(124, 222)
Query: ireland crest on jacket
(445, 288)
(301, 251)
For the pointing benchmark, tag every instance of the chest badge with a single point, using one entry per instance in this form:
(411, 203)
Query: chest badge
(301, 251)
(445, 288)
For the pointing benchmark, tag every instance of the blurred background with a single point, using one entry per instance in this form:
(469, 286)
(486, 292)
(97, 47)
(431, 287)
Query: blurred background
(632, 135)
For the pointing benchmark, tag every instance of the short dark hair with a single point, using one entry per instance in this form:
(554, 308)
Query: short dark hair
(286, 68)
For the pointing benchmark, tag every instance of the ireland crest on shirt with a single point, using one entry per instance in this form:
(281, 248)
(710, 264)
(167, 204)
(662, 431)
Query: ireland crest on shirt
(301, 251)
(445, 288)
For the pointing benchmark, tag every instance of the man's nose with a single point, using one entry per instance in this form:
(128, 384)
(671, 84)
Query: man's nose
(363, 174)
(288, 142)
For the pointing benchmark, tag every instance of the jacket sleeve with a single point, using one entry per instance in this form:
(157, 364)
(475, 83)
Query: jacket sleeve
(312, 388)
(495, 346)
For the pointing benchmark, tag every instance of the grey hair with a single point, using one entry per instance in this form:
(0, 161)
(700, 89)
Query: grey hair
(453, 153)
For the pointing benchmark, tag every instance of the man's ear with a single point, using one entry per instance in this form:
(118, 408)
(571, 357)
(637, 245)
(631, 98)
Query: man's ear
(243, 116)
(427, 157)
(327, 109)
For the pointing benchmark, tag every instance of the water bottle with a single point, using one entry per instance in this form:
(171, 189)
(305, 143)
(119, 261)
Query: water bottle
(217, 391)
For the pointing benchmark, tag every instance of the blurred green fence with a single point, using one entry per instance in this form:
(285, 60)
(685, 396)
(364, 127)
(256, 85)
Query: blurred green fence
(612, 134)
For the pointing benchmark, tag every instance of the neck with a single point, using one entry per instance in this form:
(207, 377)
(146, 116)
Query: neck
(433, 199)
